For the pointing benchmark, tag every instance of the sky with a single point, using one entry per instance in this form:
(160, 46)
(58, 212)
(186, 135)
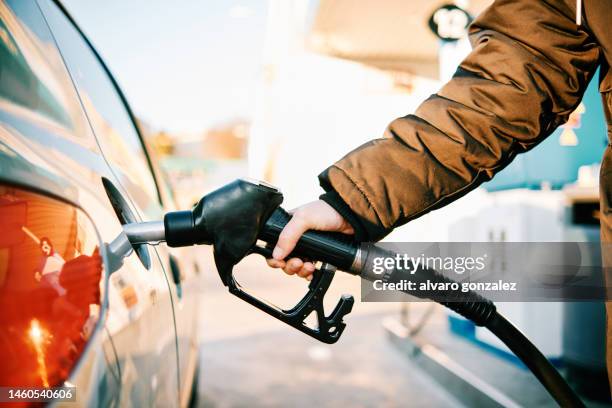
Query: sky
(184, 66)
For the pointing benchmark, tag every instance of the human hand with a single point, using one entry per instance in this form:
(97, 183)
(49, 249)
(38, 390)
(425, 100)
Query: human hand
(317, 215)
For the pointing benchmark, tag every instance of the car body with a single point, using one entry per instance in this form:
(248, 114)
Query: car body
(73, 169)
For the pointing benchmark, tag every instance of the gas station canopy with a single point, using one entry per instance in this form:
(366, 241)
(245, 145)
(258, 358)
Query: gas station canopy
(394, 37)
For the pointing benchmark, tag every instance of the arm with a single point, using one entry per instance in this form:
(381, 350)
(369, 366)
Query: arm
(527, 72)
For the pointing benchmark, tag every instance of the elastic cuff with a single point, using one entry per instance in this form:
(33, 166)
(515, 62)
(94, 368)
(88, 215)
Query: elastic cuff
(335, 201)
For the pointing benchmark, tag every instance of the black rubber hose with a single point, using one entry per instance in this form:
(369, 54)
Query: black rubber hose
(482, 312)
(534, 360)
(338, 250)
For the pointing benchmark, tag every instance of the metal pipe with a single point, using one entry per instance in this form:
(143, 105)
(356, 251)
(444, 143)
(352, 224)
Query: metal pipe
(150, 232)
(117, 251)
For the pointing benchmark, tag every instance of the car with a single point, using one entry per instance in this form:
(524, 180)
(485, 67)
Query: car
(74, 169)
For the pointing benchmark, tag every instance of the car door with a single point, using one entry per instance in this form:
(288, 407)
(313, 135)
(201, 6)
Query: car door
(145, 336)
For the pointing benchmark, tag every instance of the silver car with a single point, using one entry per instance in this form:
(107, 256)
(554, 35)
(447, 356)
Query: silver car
(73, 169)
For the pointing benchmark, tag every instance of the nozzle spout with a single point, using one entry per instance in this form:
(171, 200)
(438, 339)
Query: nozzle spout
(150, 232)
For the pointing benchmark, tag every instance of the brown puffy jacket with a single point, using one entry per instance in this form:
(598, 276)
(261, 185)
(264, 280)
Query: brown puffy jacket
(530, 65)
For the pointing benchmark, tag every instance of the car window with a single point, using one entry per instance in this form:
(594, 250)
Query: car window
(33, 79)
(111, 122)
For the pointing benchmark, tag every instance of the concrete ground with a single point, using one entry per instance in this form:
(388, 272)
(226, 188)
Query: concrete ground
(250, 359)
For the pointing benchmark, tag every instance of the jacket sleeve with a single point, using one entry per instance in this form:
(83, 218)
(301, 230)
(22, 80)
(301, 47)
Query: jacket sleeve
(528, 70)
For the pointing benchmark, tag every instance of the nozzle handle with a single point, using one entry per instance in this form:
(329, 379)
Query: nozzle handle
(333, 248)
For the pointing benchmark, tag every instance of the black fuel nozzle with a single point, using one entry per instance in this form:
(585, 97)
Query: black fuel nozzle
(234, 218)
(229, 218)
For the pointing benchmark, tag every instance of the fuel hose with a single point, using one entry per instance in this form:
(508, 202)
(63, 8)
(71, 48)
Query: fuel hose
(339, 250)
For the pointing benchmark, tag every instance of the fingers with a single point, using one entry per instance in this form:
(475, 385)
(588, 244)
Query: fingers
(289, 237)
(317, 215)
(275, 263)
(294, 266)
(307, 270)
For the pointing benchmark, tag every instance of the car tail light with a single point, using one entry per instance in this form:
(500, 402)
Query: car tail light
(50, 288)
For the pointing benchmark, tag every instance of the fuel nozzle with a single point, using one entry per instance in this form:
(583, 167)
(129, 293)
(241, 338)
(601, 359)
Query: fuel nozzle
(243, 218)
(234, 217)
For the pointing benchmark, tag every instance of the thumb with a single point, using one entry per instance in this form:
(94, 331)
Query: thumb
(289, 237)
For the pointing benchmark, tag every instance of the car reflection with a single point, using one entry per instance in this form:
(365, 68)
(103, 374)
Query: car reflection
(50, 296)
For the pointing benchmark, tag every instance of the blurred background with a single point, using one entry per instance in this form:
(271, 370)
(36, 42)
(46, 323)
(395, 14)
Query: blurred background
(280, 89)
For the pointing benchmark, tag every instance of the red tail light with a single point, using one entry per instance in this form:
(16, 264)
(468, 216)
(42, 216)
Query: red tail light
(50, 276)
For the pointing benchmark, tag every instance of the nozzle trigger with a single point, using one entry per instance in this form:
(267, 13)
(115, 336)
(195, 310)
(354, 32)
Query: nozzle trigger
(329, 328)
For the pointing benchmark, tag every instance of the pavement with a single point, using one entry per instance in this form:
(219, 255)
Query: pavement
(248, 358)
